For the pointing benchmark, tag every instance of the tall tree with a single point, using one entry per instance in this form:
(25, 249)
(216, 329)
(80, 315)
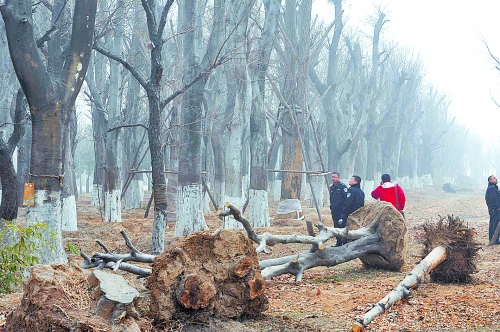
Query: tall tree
(258, 196)
(51, 95)
(9, 200)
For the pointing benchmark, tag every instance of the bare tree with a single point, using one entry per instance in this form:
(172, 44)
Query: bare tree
(51, 95)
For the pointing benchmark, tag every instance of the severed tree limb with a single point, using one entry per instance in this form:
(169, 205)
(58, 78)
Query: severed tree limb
(330, 256)
(364, 240)
(116, 261)
(325, 233)
(403, 290)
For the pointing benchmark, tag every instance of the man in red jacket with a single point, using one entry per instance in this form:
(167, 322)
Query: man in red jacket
(390, 192)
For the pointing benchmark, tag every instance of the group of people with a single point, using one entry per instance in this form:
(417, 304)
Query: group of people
(345, 200)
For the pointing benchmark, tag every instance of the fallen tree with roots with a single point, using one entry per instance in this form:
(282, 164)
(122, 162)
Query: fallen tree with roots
(450, 256)
(376, 233)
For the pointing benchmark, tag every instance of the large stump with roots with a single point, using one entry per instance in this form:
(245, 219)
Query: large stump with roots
(451, 233)
(207, 274)
(394, 235)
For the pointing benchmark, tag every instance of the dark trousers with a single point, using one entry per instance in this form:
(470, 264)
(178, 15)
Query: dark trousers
(494, 219)
(337, 224)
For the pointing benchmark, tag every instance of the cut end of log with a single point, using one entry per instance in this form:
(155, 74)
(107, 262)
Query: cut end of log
(195, 294)
(242, 267)
(257, 286)
(321, 246)
(357, 328)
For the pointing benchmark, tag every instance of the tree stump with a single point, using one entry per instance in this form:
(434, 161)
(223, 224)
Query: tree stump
(207, 275)
(60, 297)
(115, 299)
(392, 228)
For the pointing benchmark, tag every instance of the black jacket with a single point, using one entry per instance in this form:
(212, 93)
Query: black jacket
(492, 198)
(338, 194)
(354, 200)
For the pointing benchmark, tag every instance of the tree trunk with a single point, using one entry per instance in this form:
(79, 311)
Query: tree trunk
(114, 147)
(49, 104)
(258, 193)
(402, 291)
(9, 201)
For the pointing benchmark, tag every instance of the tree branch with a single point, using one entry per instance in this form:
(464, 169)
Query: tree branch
(124, 63)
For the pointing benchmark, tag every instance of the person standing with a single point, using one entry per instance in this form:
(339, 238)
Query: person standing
(390, 192)
(355, 199)
(338, 194)
(492, 197)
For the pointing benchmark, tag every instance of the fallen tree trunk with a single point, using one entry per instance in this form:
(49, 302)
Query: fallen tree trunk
(403, 290)
(451, 253)
(377, 235)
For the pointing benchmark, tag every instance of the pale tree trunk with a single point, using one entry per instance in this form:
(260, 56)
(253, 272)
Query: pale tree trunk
(9, 194)
(190, 198)
(96, 82)
(258, 193)
(68, 204)
(297, 29)
(190, 217)
(112, 195)
(134, 138)
(232, 146)
(50, 104)
(172, 183)
(373, 126)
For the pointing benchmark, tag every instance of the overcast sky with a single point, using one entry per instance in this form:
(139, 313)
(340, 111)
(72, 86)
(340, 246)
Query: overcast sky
(447, 34)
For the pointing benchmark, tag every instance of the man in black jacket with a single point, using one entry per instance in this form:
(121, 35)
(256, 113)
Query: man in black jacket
(493, 202)
(354, 200)
(338, 194)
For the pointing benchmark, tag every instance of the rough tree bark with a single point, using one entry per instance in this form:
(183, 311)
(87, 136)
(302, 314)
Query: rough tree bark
(51, 97)
(9, 201)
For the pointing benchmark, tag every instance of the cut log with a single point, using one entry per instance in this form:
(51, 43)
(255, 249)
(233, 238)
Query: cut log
(403, 290)
(207, 274)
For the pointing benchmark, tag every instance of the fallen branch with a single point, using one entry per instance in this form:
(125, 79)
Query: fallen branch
(402, 291)
(117, 261)
(318, 241)
(364, 240)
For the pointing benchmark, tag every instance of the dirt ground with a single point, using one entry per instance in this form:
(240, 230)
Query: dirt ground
(330, 299)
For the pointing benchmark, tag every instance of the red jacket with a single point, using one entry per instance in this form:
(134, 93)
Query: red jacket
(387, 192)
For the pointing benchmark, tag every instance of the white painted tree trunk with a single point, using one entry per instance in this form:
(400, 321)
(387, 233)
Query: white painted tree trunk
(48, 207)
(97, 199)
(133, 195)
(112, 206)
(158, 237)
(233, 166)
(69, 220)
(190, 217)
(258, 208)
